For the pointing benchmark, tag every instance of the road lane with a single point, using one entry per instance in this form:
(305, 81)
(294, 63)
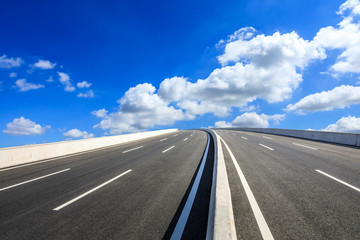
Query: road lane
(138, 205)
(297, 202)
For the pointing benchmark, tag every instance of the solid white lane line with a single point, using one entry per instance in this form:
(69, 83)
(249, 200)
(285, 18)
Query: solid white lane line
(32, 180)
(266, 147)
(263, 226)
(132, 149)
(234, 134)
(266, 137)
(180, 226)
(185, 139)
(244, 138)
(163, 139)
(340, 181)
(88, 192)
(305, 146)
(168, 149)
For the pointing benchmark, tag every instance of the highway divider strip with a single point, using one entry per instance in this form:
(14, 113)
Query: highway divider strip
(221, 223)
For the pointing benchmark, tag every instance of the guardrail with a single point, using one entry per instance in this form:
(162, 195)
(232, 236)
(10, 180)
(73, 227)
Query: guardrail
(32, 153)
(332, 137)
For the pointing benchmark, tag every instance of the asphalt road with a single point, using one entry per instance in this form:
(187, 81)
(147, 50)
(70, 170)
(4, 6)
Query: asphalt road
(130, 191)
(303, 189)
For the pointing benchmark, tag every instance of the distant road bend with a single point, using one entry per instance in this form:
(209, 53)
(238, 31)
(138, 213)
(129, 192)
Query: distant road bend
(160, 188)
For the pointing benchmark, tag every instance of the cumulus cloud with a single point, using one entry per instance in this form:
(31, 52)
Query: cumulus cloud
(44, 64)
(339, 97)
(83, 84)
(13, 74)
(6, 62)
(65, 80)
(345, 37)
(23, 126)
(24, 86)
(88, 94)
(267, 67)
(50, 79)
(76, 133)
(348, 124)
(140, 109)
(263, 67)
(101, 113)
(251, 120)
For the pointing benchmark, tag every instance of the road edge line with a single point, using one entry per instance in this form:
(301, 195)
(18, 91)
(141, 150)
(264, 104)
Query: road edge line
(261, 222)
(181, 223)
(221, 223)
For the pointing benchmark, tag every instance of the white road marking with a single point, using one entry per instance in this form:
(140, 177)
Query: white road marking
(191, 135)
(244, 138)
(180, 226)
(168, 149)
(132, 149)
(32, 180)
(266, 147)
(305, 146)
(266, 137)
(163, 139)
(250, 134)
(234, 134)
(340, 181)
(88, 192)
(264, 228)
(185, 139)
(175, 135)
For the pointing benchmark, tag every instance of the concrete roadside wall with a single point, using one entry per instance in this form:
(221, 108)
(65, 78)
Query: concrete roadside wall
(31, 153)
(332, 137)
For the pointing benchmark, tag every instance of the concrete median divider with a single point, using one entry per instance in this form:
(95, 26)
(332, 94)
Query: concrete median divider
(32, 153)
(221, 223)
(331, 137)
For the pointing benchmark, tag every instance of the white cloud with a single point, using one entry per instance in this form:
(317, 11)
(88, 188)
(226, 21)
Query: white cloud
(6, 62)
(50, 79)
(339, 97)
(44, 64)
(88, 94)
(76, 133)
(251, 120)
(345, 37)
(65, 80)
(13, 74)
(84, 84)
(24, 86)
(100, 113)
(348, 124)
(269, 51)
(265, 67)
(140, 109)
(23, 126)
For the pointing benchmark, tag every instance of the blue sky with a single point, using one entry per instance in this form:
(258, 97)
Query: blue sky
(79, 69)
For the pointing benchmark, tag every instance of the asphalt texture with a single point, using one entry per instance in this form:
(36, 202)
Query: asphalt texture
(142, 204)
(296, 201)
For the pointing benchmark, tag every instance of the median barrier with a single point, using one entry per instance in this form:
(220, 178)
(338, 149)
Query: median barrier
(331, 137)
(32, 153)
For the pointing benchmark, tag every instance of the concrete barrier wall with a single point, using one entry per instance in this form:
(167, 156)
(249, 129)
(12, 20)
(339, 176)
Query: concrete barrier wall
(332, 137)
(30, 153)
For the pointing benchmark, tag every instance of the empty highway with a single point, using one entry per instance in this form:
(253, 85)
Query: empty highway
(159, 188)
(292, 188)
(130, 191)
